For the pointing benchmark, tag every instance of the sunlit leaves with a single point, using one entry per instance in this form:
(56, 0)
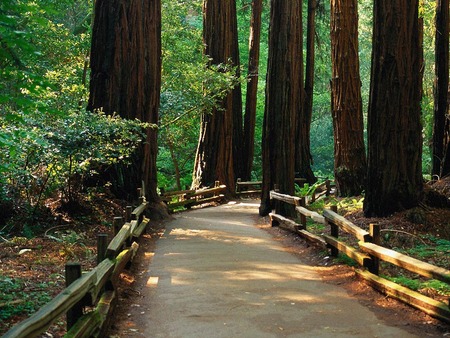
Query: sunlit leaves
(190, 86)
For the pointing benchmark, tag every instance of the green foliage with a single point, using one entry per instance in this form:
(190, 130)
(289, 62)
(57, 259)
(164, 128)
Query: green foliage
(344, 259)
(16, 298)
(413, 284)
(431, 249)
(48, 154)
(306, 190)
(48, 143)
(439, 287)
(190, 86)
(350, 204)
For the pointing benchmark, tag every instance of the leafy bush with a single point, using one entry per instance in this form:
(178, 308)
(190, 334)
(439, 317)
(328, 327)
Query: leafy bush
(48, 153)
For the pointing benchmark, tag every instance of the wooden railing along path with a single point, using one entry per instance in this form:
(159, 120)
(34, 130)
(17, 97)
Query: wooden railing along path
(367, 254)
(90, 298)
(190, 198)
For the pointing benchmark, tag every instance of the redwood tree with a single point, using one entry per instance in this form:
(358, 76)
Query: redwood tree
(310, 56)
(394, 179)
(126, 76)
(441, 128)
(219, 150)
(349, 153)
(303, 157)
(284, 86)
(252, 89)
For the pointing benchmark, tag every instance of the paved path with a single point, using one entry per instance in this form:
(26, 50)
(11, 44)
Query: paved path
(214, 274)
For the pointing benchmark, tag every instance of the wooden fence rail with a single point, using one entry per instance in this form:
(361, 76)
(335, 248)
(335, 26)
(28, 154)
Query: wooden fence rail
(190, 198)
(367, 254)
(247, 187)
(95, 289)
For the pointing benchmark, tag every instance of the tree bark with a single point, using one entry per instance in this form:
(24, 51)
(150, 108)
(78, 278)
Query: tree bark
(441, 128)
(346, 103)
(126, 77)
(284, 94)
(394, 179)
(303, 157)
(252, 90)
(219, 153)
(310, 57)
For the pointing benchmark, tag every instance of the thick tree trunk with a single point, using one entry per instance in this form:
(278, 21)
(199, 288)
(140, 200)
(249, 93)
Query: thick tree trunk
(349, 152)
(441, 128)
(126, 76)
(394, 128)
(219, 154)
(252, 90)
(284, 94)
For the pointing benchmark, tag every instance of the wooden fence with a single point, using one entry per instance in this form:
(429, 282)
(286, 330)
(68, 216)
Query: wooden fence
(89, 299)
(254, 187)
(190, 198)
(367, 253)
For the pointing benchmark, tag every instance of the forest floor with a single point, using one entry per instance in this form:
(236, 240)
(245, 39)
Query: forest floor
(32, 270)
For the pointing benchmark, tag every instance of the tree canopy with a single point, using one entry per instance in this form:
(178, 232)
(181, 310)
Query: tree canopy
(50, 145)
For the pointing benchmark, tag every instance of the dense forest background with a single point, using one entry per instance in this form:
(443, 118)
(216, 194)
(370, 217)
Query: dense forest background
(50, 145)
(182, 81)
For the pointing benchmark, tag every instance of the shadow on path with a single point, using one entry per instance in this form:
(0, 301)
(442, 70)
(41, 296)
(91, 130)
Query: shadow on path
(214, 274)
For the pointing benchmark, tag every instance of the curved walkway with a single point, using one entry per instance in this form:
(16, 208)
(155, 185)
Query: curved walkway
(214, 274)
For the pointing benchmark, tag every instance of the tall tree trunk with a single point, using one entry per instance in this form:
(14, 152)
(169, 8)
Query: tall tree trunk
(394, 128)
(441, 128)
(349, 152)
(303, 151)
(303, 157)
(126, 76)
(284, 94)
(252, 90)
(221, 129)
(310, 56)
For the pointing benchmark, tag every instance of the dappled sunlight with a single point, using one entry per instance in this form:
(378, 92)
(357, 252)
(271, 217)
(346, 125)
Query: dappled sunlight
(237, 205)
(277, 272)
(152, 281)
(299, 298)
(215, 222)
(219, 235)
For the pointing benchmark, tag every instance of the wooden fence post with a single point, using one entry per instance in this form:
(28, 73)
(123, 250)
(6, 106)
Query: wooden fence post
(117, 224)
(141, 195)
(374, 230)
(328, 185)
(303, 217)
(273, 202)
(102, 245)
(334, 232)
(128, 212)
(73, 272)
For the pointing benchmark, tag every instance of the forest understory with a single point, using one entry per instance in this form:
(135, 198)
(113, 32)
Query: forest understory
(32, 269)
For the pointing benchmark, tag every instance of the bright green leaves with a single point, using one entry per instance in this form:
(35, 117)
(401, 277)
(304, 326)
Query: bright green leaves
(190, 87)
(41, 155)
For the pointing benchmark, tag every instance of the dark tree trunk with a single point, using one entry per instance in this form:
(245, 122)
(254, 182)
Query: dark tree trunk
(310, 57)
(303, 157)
(394, 128)
(219, 150)
(252, 90)
(441, 128)
(126, 76)
(284, 94)
(349, 152)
